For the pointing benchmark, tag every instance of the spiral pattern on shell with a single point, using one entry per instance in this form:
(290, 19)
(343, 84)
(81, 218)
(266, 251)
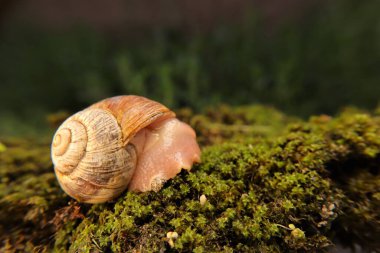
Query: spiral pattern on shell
(65, 154)
(91, 162)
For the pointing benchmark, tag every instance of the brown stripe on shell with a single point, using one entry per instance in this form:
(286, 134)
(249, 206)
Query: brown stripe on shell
(85, 191)
(105, 167)
(134, 113)
(90, 191)
(77, 188)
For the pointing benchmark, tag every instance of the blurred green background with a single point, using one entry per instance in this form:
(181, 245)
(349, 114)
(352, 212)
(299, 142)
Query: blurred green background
(301, 58)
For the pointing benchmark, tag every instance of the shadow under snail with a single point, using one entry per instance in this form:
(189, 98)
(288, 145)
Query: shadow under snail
(118, 143)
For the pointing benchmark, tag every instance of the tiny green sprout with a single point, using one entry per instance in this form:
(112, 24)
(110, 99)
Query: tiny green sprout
(202, 199)
(298, 233)
(2, 147)
(172, 236)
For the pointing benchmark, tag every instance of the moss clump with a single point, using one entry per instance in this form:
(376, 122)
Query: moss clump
(29, 195)
(233, 124)
(296, 187)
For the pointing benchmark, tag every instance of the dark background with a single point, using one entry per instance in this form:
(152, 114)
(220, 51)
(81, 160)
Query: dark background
(303, 57)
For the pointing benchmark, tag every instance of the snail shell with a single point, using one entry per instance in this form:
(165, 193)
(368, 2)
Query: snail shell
(120, 142)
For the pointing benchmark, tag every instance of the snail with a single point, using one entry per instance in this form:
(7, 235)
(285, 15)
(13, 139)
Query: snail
(118, 143)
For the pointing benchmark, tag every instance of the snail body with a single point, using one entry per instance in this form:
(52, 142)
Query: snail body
(118, 143)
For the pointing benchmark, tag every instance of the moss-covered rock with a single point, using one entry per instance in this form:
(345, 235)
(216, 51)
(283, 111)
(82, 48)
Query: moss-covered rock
(269, 183)
(236, 124)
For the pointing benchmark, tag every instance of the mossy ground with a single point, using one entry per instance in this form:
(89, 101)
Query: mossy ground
(272, 184)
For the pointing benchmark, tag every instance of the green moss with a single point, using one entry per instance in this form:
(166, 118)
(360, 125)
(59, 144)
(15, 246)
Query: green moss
(2, 147)
(29, 194)
(297, 186)
(222, 123)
